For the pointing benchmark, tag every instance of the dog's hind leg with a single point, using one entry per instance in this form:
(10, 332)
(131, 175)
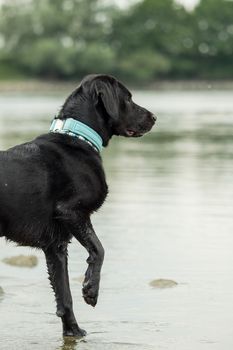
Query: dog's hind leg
(87, 237)
(56, 258)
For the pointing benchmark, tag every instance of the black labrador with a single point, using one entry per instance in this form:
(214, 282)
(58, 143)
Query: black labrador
(49, 187)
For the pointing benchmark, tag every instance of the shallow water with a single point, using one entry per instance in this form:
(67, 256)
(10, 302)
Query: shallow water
(168, 215)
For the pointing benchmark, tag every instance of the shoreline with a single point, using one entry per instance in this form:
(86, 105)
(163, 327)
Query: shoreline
(16, 86)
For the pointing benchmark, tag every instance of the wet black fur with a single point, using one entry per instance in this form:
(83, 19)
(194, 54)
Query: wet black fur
(50, 186)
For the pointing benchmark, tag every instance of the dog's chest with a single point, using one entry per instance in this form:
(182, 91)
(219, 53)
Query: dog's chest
(84, 187)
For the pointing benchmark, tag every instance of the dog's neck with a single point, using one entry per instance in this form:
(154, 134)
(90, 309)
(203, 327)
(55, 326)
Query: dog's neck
(81, 108)
(78, 130)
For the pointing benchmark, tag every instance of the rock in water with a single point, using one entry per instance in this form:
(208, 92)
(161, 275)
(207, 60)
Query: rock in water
(163, 283)
(1, 292)
(22, 261)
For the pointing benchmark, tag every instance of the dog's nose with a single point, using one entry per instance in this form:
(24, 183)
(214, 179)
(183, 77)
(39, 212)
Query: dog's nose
(154, 118)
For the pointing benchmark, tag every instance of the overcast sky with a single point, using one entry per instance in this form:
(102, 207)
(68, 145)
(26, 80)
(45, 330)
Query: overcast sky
(189, 4)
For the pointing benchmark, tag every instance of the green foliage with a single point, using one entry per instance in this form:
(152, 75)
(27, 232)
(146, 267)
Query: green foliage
(213, 38)
(143, 66)
(10, 72)
(66, 39)
(56, 39)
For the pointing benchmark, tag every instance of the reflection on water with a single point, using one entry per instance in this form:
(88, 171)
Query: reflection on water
(168, 216)
(70, 343)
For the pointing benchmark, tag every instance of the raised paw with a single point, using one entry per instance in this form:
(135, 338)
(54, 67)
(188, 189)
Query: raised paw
(90, 292)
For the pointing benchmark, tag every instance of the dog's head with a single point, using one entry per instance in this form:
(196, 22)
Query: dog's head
(114, 101)
(111, 102)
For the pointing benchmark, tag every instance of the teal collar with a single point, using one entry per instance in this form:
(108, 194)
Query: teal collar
(77, 129)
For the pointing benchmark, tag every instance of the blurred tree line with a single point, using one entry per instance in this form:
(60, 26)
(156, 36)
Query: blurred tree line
(152, 39)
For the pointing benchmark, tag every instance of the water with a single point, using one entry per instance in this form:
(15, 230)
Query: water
(168, 215)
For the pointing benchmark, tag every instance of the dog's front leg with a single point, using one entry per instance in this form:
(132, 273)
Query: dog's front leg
(87, 237)
(56, 258)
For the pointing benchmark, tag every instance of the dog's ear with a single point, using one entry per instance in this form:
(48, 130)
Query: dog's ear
(106, 91)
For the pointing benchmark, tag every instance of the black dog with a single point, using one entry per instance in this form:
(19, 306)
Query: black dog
(50, 186)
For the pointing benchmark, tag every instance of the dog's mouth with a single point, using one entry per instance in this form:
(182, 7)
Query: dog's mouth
(139, 130)
(132, 133)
